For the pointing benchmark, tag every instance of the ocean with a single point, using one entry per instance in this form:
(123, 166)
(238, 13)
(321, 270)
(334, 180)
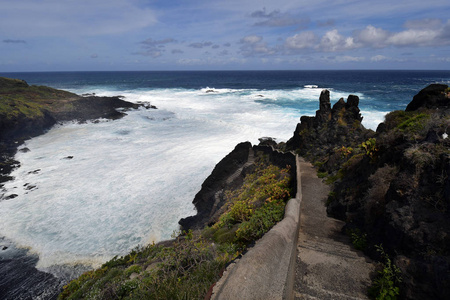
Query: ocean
(131, 180)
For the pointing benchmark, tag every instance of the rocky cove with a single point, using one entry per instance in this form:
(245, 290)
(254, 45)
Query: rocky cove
(26, 112)
(391, 184)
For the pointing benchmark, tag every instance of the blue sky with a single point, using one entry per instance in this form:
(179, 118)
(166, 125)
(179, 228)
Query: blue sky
(88, 35)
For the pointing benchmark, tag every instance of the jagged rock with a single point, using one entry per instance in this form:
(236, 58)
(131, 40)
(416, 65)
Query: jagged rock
(331, 127)
(324, 113)
(206, 198)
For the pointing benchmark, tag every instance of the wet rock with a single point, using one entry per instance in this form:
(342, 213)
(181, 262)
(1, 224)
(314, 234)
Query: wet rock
(24, 150)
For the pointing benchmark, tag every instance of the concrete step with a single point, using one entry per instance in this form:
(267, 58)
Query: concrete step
(328, 267)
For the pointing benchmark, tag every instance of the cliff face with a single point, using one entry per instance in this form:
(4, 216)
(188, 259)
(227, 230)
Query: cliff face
(229, 174)
(392, 185)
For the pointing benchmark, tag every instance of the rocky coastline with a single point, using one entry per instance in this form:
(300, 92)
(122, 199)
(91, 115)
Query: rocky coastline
(25, 112)
(28, 111)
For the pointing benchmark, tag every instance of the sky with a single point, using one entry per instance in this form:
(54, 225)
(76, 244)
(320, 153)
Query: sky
(113, 35)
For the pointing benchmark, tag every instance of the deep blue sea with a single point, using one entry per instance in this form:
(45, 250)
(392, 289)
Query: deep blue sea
(132, 179)
(379, 90)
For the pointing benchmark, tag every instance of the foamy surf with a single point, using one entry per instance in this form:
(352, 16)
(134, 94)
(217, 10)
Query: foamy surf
(88, 192)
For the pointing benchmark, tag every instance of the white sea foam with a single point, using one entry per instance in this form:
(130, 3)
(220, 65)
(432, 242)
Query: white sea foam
(129, 181)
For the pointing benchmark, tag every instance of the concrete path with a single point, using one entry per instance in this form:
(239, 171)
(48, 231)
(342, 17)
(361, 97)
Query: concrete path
(328, 267)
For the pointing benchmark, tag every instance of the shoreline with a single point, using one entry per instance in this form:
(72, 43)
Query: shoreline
(24, 278)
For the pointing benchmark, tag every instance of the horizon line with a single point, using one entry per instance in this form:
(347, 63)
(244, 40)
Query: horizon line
(236, 70)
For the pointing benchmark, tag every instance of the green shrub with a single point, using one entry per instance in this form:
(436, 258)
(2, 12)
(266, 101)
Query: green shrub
(241, 211)
(225, 234)
(359, 239)
(260, 222)
(370, 147)
(411, 124)
(415, 123)
(322, 174)
(133, 269)
(385, 285)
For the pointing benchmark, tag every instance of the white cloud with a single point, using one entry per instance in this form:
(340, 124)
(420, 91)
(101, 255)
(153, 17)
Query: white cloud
(253, 45)
(413, 37)
(434, 33)
(333, 41)
(371, 36)
(378, 58)
(302, 40)
(348, 58)
(251, 39)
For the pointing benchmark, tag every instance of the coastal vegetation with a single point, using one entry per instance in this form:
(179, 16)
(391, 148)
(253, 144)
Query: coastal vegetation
(386, 284)
(187, 266)
(18, 98)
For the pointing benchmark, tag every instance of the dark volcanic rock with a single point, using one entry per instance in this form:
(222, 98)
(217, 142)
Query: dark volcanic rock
(433, 96)
(206, 198)
(21, 280)
(229, 174)
(89, 108)
(23, 127)
(338, 126)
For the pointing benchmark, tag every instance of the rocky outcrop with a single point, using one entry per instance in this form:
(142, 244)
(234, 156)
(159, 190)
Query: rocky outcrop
(210, 197)
(316, 137)
(433, 96)
(229, 174)
(94, 107)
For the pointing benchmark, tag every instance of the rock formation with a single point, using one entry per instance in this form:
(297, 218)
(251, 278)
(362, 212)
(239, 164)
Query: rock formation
(338, 126)
(229, 174)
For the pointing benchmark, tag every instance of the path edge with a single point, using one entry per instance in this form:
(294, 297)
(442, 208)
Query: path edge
(267, 271)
